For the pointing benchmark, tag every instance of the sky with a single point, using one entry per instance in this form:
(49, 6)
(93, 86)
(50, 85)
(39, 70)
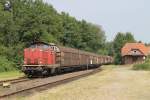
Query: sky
(113, 15)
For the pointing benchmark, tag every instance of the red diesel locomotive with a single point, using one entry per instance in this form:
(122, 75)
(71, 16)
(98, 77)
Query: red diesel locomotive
(47, 59)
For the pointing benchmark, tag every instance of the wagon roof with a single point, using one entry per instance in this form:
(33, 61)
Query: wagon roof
(68, 49)
(74, 50)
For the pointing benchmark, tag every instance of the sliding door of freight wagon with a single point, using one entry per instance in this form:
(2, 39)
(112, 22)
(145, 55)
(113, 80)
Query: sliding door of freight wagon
(69, 59)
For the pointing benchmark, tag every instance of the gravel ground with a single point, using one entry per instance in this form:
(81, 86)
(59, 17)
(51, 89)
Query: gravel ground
(112, 83)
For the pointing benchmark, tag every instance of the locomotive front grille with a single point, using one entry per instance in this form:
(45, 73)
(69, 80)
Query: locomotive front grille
(29, 61)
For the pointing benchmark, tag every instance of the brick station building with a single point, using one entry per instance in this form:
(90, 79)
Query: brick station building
(134, 53)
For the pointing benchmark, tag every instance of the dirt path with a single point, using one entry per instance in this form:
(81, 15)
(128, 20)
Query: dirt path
(112, 83)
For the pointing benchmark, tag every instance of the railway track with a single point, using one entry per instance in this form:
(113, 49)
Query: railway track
(13, 81)
(49, 82)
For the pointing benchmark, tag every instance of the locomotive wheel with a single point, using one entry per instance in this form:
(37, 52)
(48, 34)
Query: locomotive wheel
(58, 71)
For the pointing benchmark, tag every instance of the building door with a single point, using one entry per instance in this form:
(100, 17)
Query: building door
(135, 59)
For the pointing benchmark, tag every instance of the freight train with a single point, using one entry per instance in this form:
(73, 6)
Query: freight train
(43, 59)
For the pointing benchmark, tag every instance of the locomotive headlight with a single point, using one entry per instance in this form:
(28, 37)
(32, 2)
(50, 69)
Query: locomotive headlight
(40, 62)
(25, 62)
(24, 68)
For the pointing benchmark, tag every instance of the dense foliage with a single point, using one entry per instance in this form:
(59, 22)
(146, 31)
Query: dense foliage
(34, 20)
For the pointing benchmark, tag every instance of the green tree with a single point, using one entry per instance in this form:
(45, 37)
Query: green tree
(120, 40)
(33, 20)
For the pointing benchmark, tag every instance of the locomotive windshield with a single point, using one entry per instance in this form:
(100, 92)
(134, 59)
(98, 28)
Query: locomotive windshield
(45, 46)
(41, 46)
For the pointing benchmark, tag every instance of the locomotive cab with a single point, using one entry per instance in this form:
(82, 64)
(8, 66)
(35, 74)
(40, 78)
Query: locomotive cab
(38, 54)
(39, 58)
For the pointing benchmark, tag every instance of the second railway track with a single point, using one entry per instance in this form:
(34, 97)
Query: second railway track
(22, 87)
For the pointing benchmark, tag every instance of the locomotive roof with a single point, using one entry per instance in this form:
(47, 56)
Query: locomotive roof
(39, 43)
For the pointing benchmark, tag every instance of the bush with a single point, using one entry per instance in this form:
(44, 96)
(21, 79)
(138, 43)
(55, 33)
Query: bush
(144, 66)
(6, 65)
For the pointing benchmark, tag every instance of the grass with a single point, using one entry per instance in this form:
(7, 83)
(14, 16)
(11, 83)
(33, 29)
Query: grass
(10, 75)
(142, 66)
